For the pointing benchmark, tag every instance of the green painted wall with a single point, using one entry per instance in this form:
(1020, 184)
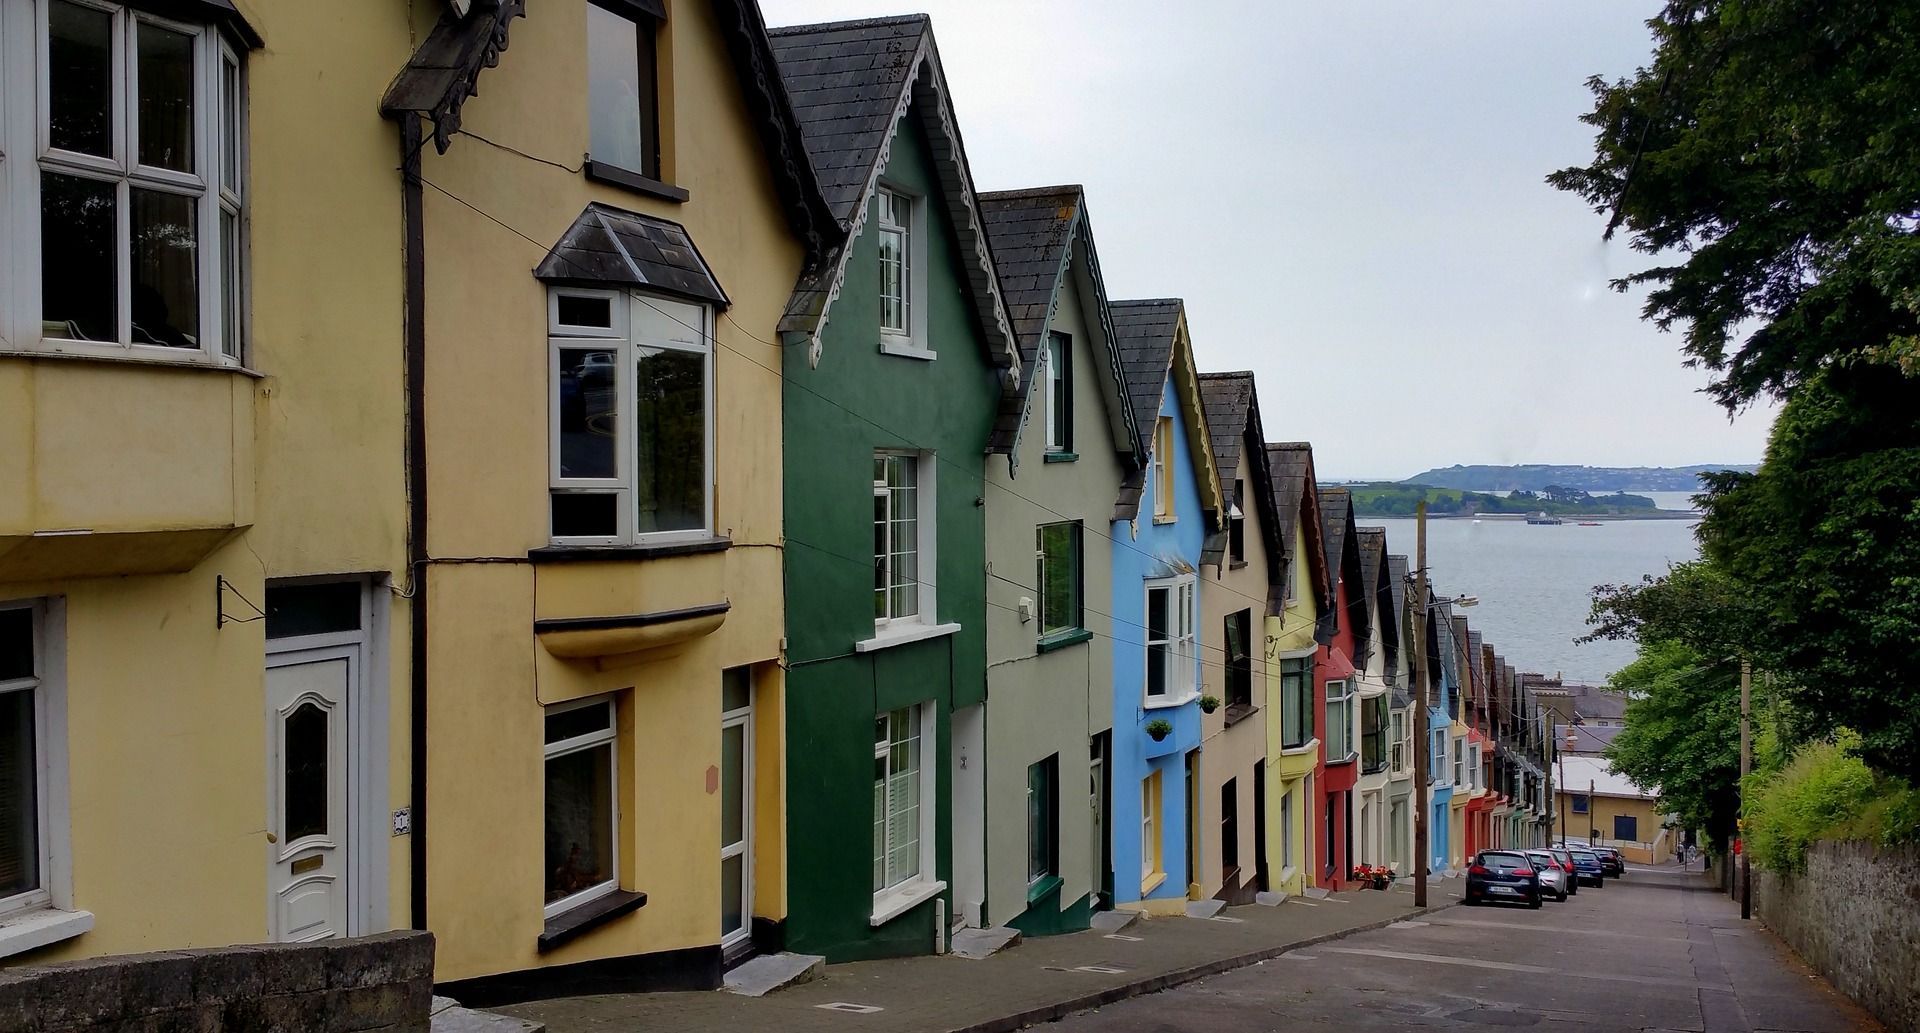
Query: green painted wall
(836, 416)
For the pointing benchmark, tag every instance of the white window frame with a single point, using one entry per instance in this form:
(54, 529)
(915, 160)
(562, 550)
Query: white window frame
(623, 339)
(1397, 751)
(1161, 471)
(1153, 868)
(1059, 368)
(46, 914)
(609, 736)
(896, 899)
(1340, 692)
(895, 631)
(1182, 644)
(742, 717)
(912, 340)
(26, 153)
(1473, 766)
(1460, 762)
(1440, 766)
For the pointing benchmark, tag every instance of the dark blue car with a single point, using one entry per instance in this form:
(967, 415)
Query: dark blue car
(1588, 868)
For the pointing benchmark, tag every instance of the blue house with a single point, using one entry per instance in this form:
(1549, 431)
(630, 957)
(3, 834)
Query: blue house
(1165, 514)
(1445, 675)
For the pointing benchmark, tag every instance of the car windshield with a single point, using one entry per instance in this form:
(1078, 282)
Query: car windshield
(1541, 858)
(1585, 855)
(1561, 854)
(1503, 862)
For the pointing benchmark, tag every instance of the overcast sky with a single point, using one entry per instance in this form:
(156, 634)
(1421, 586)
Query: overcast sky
(1349, 196)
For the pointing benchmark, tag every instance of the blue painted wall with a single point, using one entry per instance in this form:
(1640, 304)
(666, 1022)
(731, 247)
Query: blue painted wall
(1159, 550)
(1440, 822)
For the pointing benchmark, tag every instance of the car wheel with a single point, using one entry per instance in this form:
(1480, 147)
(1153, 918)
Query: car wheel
(1534, 903)
(1600, 883)
(1562, 898)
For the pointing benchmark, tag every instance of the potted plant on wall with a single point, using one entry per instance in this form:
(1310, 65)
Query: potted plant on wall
(1159, 729)
(1209, 704)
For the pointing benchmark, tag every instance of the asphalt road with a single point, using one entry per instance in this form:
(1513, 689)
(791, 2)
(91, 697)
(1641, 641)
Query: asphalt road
(1654, 951)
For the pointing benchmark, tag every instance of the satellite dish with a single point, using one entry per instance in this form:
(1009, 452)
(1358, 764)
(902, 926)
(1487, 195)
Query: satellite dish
(460, 7)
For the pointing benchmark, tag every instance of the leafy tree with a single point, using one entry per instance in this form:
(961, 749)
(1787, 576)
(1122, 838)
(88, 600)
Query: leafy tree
(1682, 734)
(1771, 155)
(1694, 604)
(1819, 554)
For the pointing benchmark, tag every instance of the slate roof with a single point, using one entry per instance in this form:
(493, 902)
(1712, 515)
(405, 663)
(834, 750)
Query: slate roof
(1336, 516)
(1228, 400)
(1397, 571)
(612, 247)
(1035, 234)
(1144, 332)
(1291, 465)
(1373, 551)
(1586, 738)
(1474, 646)
(850, 84)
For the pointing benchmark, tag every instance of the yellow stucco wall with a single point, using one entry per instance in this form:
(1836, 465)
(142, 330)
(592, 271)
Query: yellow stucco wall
(487, 384)
(1290, 634)
(166, 730)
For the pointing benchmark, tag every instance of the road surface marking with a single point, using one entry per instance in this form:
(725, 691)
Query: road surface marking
(852, 1009)
(1505, 966)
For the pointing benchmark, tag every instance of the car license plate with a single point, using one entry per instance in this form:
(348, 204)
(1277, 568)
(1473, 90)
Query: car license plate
(1503, 889)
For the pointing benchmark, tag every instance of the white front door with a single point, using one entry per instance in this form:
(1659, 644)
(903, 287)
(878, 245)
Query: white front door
(308, 820)
(736, 806)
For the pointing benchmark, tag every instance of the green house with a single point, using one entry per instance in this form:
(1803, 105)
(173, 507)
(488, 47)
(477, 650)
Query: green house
(898, 360)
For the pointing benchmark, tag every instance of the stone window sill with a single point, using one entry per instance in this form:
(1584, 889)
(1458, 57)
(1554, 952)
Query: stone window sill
(1063, 639)
(142, 358)
(1041, 887)
(1170, 702)
(901, 634)
(906, 349)
(1152, 882)
(901, 899)
(615, 553)
(39, 927)
(1062, 457)
(593, 914)
(1239, 712)
(1307, 747)
(614, 175)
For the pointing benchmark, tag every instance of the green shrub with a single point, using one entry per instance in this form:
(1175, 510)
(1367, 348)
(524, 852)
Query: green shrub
(1825, 787)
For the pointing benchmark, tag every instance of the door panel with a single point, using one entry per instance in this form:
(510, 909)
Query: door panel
(736, 808)
(307, 696)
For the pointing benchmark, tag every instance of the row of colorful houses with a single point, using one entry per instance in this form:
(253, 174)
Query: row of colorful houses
(603, 484)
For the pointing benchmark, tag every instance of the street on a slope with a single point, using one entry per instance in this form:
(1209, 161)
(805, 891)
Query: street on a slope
(1659, 950)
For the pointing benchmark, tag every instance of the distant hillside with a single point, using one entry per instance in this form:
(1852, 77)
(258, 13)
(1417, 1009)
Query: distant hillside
(1585, 478)
(1397, 499)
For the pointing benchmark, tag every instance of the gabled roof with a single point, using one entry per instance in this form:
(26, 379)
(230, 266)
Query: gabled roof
(1336, 517)
(1474, 646)
(1239, 453)
(1586, 738)
(1152, 339)
(851, 84)
(1040, 237)
(1397, 572)
(1296, 495)
(444, 72)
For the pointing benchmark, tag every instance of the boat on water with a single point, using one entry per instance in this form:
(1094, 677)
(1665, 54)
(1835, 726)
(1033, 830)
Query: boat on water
(1543, 518)
(1589, 523)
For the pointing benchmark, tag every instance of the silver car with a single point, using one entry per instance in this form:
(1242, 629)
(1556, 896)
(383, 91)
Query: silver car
(1553, 878)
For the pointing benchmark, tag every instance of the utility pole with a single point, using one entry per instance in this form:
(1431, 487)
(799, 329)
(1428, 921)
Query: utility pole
(1420, 736)
(1746, 765)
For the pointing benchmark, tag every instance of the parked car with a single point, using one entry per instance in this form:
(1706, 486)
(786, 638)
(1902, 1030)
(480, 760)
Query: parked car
(1553, 878)
(1564, 858)
(1587, 868)
(1503, 875)
(1612, 861)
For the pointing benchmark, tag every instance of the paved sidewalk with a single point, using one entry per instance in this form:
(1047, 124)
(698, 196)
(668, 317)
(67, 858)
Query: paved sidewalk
(1041, 979)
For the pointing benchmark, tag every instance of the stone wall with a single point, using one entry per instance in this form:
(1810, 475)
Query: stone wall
(382, 982)
(1855, 917)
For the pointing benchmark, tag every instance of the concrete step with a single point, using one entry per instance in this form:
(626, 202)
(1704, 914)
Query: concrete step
(1114, 921)
(976, 944)
(1204, 908)
(448, 1016)
(763, 975)
(1316, 893)
(1269, 898)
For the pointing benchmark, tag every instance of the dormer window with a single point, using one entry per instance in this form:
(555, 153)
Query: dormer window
(1059, 383)
(899, 224)
(1237, 524)
(622, 86)
(129, 229)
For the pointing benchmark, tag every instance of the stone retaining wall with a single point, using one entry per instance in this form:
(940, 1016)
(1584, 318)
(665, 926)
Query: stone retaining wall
(382, 982)
(1855, 917)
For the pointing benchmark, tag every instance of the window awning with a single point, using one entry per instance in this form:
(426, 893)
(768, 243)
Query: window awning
(611, 247)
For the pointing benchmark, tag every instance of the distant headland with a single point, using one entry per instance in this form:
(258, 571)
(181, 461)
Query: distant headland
(1594, 479)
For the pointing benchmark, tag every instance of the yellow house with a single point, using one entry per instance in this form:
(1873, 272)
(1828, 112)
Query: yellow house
(599, 481)
(1293, 743)
(1597, 806)
(203, 590)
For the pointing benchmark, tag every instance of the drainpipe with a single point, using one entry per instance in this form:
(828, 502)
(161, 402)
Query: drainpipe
(414, 220)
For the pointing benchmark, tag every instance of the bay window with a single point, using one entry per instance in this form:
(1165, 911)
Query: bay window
(631, 418)
(1296, 702)
(1170, 641)
(126, 214)
(1339, 719)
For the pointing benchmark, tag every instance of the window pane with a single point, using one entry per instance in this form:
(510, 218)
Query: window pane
(314, 609)
(165, 73)
(16, 644)
(614, 90)
(893, 294)
(670, 410)
(585, 514)
(79, 285)
(230, 125)
(736, 689)
(562, 725)
(80, 79)
(575, 310)
(230, 330)
(733, 760)
(306, 780)
(579, 821)
(19, 800)
(588, 419)
(732, 893)
(166, 275)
